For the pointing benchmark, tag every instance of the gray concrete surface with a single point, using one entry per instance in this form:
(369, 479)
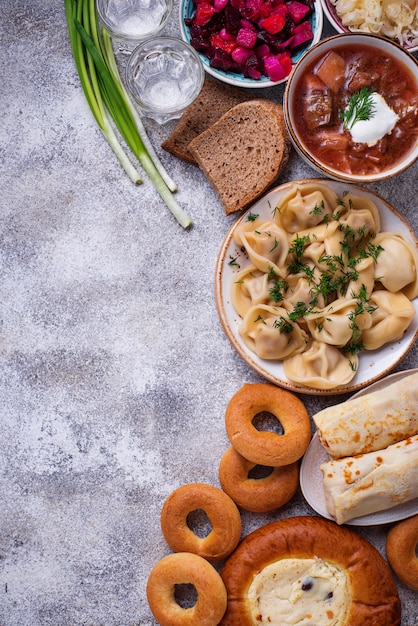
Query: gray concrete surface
(114, 369)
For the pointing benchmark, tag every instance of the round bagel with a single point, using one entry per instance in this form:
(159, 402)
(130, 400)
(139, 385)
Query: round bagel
(186, 568)
(257, 495)
(359, 589)
(401, 543)
(265, 447)
(221, 510)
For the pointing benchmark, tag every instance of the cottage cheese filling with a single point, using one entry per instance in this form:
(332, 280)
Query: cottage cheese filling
(302, 592)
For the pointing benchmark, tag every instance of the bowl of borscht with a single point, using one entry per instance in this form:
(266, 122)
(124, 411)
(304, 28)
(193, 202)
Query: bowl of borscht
(351, 107)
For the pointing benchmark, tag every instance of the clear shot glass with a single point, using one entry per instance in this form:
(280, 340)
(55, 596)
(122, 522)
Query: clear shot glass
(164, 75)
(132, 21)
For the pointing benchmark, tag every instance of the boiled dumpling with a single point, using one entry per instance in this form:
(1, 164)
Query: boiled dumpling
(267, 248)
(334, 324)
(304, 206)
(321, 366)
(390, 319)
(245, 226)
(267, 331)
(300, 291)
(250, 287)
(321, 232)
(393, 275)
(363, 283)
(361, 219)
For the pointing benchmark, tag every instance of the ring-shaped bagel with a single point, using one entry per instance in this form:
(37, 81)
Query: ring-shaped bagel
(373, 596)
(186, 568)
(265, 447)
(221, 510)
(401, 543)
(257, 495)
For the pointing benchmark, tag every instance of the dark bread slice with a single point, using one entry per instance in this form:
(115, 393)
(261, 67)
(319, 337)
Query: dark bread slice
(243, 153)
(214, 100)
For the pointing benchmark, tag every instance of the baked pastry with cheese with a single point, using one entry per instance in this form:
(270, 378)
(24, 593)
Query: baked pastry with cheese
(367, 483)
(307, 570)
(370, 422)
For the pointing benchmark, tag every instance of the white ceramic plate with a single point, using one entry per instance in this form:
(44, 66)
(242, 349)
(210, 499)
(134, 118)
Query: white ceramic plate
(335, 21)
(373, 365)
(311, 482)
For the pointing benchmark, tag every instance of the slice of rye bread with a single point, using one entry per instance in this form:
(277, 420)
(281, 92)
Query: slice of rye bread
(214, 100)
(243, 153)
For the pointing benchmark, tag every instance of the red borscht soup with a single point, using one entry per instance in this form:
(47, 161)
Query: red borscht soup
(356, 109)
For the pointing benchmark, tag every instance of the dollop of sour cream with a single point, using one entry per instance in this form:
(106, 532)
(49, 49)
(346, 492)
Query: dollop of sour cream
(380, 124)
(302, 592)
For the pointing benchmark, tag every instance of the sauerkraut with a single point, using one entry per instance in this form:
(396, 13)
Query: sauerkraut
(397, 19)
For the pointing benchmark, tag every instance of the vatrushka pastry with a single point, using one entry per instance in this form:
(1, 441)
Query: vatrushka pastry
(308, 571)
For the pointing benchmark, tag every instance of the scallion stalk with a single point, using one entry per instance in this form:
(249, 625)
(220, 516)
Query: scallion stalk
(111, 63)
(105, 94)
(92, 94)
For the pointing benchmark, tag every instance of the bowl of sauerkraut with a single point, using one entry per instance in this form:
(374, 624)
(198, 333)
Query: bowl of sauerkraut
(394, 19)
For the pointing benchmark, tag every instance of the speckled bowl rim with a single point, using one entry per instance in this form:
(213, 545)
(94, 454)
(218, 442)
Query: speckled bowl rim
(230, 319)
(332, 16)
(238, 80)
(306, 59)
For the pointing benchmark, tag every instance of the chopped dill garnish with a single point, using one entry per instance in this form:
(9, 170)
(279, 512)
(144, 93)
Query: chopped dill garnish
(299, 310)
(299, 244)
(276, 243)
(283, 325)
(360, 107)
(317, 210)
(374, 251)
(271, 273)
(276, 292)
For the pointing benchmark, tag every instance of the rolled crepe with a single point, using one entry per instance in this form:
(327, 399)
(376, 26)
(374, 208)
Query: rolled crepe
(360, 485)
(370, 422)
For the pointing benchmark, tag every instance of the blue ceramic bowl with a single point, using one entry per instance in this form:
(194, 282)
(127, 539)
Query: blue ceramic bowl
(186, 10)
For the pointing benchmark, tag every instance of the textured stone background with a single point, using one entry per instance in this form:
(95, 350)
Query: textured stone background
(114, 368)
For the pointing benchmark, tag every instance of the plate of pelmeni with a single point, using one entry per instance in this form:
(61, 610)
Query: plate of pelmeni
(316, 286)
(361, 467)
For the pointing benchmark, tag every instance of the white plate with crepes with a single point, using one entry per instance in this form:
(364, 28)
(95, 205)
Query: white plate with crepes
(232, 259)
(311, 482)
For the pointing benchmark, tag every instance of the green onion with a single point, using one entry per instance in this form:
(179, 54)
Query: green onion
(106, 97)
(111, 63)
(92, 93)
